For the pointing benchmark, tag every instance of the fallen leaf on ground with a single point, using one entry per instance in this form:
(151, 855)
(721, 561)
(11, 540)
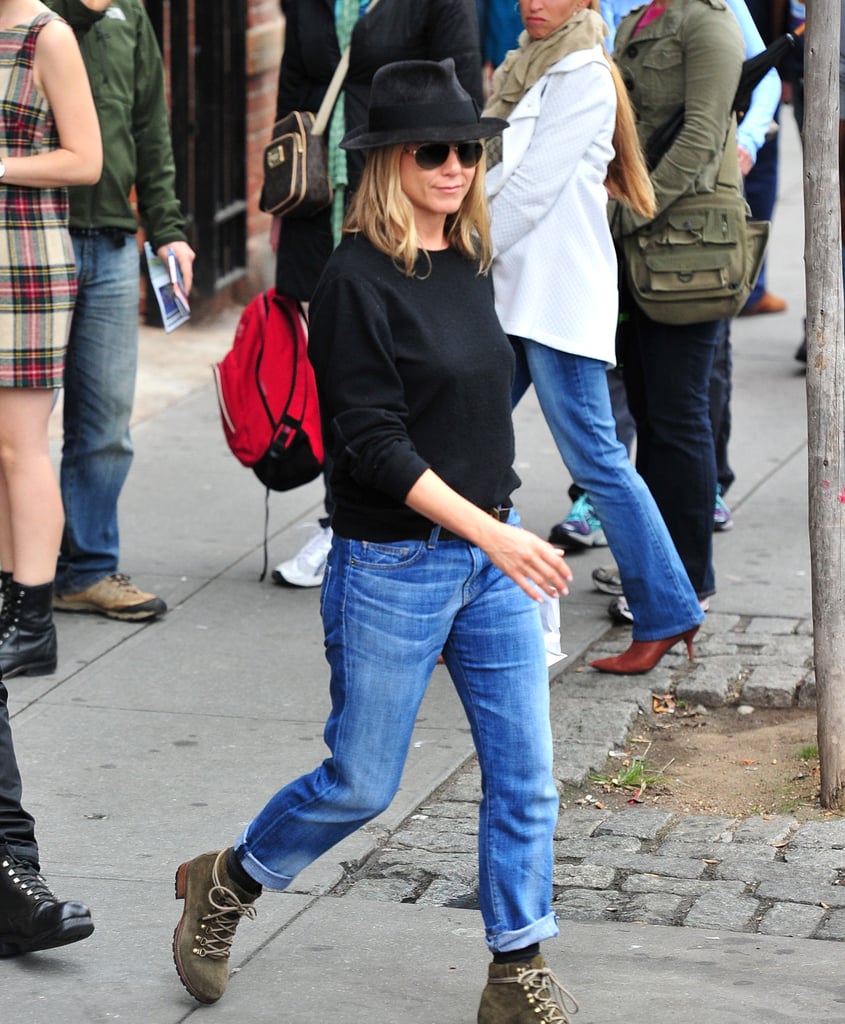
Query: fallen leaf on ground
(662, 704)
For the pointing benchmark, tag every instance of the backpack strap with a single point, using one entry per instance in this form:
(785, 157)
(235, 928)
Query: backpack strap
(284, 418)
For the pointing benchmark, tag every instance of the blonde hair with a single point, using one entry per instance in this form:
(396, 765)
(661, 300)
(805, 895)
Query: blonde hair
(382, 212)
(627, 175)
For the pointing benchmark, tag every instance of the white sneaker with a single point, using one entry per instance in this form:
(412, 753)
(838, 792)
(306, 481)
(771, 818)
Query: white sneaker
(308, 565)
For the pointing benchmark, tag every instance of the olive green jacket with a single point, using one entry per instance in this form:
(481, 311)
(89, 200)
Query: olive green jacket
(127, 79)
(690, 57)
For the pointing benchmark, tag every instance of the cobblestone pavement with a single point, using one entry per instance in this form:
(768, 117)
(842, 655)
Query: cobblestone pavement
(774, 876)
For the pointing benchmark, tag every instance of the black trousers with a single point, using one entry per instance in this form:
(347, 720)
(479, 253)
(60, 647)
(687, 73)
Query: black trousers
(17, 827)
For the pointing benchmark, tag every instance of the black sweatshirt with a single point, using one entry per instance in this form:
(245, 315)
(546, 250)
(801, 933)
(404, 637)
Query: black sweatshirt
(412, 373)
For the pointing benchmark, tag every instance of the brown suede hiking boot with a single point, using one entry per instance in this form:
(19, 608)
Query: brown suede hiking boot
(116, 597)
(524, 994)
(214, 905)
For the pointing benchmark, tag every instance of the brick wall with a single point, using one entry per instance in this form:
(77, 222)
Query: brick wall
(265, 35)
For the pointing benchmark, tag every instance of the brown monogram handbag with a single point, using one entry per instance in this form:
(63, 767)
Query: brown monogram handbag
(296, 163)
(296, 168)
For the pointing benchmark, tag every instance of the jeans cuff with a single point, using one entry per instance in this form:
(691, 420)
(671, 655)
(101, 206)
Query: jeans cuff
(545, 928)
(255, 869)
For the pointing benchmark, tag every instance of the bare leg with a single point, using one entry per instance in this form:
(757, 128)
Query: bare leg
(31, 515)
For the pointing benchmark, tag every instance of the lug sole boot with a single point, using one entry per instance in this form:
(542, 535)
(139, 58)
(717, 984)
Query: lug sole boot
(524, 994)
(27, 633)
(202, 942)
(31, 918)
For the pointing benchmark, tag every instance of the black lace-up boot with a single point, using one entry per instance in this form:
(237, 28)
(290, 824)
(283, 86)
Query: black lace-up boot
(31, 918)
(27, 633)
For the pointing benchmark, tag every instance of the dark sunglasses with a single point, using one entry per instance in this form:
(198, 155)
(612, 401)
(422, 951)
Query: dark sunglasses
(435, 154)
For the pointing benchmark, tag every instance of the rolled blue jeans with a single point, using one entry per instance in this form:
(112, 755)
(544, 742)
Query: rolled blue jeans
(388, 612)
(100, 367)
(574, 396)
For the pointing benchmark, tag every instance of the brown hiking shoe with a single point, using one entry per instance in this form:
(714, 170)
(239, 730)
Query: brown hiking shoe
(214, 905)
(524, 994)
(116, 597)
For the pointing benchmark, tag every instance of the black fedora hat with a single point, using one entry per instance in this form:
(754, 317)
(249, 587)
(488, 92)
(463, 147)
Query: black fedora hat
(420, 101)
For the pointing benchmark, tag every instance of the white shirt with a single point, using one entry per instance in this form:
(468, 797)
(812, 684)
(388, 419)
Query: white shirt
(554, 267)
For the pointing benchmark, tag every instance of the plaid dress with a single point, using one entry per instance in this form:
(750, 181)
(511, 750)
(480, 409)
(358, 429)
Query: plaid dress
(37, 272)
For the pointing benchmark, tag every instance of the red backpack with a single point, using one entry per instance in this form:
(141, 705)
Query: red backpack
(268, 396)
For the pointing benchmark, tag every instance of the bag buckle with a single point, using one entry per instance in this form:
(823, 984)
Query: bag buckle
(275, 157)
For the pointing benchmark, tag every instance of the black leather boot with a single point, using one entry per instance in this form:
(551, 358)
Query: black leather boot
(31, 918)
(27, 633)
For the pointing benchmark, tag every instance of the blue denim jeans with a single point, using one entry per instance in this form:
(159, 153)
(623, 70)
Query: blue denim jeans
(761, 189)
(575, 399)
(667, 373)
(388, 612)
(100, 368)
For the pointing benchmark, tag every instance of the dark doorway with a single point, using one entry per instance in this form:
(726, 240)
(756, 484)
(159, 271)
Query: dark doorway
(204, 49)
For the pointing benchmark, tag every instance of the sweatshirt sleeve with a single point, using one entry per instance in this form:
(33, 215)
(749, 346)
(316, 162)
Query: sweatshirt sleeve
(155, 179)
(362, 397)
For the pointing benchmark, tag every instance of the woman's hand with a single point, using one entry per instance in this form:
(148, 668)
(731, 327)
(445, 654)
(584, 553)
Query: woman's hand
(532, 563)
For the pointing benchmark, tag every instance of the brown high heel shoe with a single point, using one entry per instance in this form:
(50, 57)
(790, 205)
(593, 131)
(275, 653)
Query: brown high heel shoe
(643, 655)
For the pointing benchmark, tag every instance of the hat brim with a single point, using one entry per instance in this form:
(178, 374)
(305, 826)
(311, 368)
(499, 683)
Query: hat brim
(485, 128)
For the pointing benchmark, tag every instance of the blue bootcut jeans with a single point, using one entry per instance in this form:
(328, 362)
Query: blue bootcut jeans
(388, 612)
(101, 363)
(575, 399)
(761, 189)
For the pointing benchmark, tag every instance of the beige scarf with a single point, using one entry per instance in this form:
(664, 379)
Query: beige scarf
(525, 66)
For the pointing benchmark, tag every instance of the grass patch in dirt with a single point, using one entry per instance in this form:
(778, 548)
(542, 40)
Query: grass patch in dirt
(714, 762)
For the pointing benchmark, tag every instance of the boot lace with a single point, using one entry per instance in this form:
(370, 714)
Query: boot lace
(10, 615)
(545, 994)
(123, 582)
(28, 880)
(218, 926)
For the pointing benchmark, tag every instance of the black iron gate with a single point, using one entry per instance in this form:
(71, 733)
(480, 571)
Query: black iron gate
(204, 46)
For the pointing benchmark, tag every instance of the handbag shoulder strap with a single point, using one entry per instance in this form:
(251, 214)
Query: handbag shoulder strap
(727, 176)
(333, 91)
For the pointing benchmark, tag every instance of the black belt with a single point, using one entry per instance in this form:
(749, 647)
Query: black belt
(117, 236)
(501, 514)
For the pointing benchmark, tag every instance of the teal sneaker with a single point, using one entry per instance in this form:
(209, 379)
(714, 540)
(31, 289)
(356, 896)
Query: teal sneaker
(722, 519)
(581, 528)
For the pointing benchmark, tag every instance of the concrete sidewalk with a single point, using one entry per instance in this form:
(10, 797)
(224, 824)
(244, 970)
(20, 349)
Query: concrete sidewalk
(154, 743)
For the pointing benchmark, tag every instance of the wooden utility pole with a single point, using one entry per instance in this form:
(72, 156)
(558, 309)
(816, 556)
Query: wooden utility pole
(825, 387)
